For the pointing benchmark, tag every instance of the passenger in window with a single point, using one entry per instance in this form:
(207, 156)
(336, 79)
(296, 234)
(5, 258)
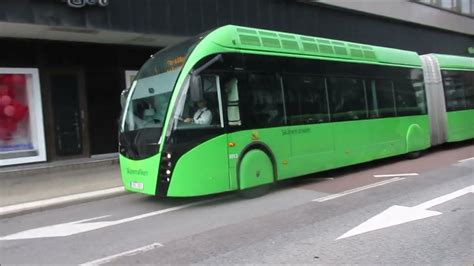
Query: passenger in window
(268, 108)
(339, 106)
(203, 116)
(401, 102)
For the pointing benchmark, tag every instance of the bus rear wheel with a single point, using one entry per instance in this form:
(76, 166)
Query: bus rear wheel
(414, 155)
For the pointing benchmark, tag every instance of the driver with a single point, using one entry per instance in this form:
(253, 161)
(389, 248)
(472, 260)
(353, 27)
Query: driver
(149, 118)
(202, 116)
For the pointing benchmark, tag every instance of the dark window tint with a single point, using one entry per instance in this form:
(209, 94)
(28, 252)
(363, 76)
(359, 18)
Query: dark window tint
(458, 90)
(381, 98)
(409, 98)
(262, 101)
(347, 99)
(469, 89)
(345, 69)
(260, 63)
(306, 99)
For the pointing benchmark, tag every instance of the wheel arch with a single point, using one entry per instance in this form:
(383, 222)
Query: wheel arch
(257, 145)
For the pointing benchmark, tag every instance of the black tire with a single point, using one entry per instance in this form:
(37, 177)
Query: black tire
(254, 192)
(414, 155)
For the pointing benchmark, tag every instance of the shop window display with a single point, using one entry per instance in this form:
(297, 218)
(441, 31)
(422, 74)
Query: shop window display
(21, 121)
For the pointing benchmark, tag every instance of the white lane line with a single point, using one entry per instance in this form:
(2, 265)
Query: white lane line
(347, 192)
(397, 175)
(59, 200)
(466, 160)
(123, 254)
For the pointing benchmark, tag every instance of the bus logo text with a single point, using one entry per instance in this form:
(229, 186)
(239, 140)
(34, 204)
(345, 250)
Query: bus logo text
(137, 172)
(295, 131)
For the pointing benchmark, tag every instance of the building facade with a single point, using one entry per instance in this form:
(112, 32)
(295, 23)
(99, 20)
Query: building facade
(64, 63)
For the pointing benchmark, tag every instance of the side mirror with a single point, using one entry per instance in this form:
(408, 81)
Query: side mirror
(196, 88)
(123, 98)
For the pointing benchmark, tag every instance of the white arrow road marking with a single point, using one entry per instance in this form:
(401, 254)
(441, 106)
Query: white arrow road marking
(123, 254)
(396, 215)
(77, 227)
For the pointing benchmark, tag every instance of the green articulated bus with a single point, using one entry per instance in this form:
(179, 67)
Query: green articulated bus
(449, 82)
(240, 108)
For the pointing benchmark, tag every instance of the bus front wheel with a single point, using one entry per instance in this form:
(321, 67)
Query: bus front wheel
(255, 174)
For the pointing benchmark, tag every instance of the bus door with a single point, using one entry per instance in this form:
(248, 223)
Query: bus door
(256, 119)
(349, 115)
(215, 148)
(385, 133)
(311, 134)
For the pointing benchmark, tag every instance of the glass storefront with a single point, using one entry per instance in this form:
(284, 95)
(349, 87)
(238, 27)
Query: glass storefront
(21, 117)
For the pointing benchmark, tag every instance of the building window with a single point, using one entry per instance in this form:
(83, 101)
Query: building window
(465, 7)
(21, 117)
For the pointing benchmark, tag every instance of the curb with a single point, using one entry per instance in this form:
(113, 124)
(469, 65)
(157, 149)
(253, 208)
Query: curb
(33, 206)
(48, 168)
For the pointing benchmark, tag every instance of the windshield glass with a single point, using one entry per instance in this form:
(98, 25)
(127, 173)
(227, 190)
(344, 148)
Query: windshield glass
(151, 90)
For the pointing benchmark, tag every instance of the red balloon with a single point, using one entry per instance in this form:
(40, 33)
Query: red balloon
(5, 100)
(4, 134)
(7, 79)
(3, 89)
(6, 90)
(20, 111)
(9, 124)
(18, 81)
(9, 110)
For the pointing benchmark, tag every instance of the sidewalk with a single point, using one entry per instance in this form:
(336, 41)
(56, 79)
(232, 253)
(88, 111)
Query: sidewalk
(64, 181)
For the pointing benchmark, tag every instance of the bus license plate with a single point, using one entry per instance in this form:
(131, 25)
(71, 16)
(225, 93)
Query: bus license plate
(136, 185)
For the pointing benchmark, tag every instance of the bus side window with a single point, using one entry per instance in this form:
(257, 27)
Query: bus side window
(409, 99)
(469, 88)
(306, 99)
(233, 111)
(348, 100)
(458, 90)
(380, 98)
(265, 101)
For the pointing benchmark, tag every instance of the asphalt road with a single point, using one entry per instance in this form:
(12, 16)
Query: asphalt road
(343, 216)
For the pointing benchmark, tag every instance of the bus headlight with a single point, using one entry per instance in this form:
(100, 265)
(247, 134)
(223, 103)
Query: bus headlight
(166, 167)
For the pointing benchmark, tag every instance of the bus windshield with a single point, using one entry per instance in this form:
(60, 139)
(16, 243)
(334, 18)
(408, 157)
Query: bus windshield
(151, 90)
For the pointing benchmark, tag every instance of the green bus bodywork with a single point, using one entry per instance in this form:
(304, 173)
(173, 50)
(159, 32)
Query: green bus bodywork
(451, 62)
(261, 156)
(460, 124)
